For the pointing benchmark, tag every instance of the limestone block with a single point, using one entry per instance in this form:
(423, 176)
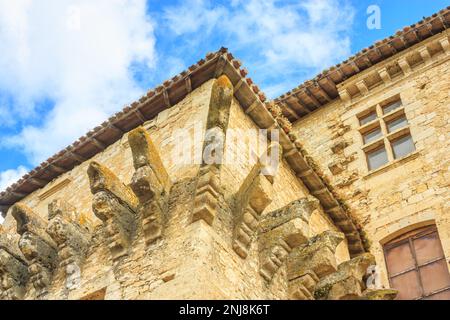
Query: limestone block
(37, 246)
(306, 284)
(252, 203)
(145, 154)
(13, 268)
(207, 194)
(152, 221)
(73, 239)
(220, 103)
(380, 294)
(145, 185)
(281, 231)
(119, 220)
(317, 255)
(150, 182)
(208, 180)
(297, 291)
(347, 282)
(103, 179)
(152, 199)
(116, 205)
(308, 280)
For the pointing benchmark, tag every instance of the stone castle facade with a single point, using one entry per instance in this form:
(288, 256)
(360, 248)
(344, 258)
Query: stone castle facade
(355, 207)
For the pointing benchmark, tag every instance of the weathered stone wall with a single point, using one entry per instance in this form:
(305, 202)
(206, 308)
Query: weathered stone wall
(406, 194)
(191, 260)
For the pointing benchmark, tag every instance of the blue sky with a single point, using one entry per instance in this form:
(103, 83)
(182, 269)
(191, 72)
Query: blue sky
(66, 65)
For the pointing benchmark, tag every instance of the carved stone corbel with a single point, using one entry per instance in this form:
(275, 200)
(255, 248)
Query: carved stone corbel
(253, 197)
(37, 246)
(283, 230)
(208, 180)
(347, 282)
(151, 183)
(310, 262)
(116, 205)
(72, 238)
(13, 268)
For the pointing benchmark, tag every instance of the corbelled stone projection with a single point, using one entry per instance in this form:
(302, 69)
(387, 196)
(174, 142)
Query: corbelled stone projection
(283, 230)
(37, 246)
(151, 183)
(253, 197)
(13, 268)
(70, 232)
(116, 205)
(309, 196)
(208, 181)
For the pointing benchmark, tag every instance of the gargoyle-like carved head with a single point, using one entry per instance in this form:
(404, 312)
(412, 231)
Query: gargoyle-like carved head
(28, 245)
(57, 229)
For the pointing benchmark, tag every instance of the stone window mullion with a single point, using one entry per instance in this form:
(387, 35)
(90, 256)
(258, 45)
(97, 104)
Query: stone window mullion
(385, 133)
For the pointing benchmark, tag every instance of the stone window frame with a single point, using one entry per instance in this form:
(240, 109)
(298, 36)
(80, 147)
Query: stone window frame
(386, 139)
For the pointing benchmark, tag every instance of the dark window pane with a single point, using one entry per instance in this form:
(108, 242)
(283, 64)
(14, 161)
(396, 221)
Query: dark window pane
(368, 118)
(392, 106)
(397, 124)
(408, 286)
(403, 146)
(399, 258)
(377, 158)
(372, 135)
(428, 248)
(435, 276)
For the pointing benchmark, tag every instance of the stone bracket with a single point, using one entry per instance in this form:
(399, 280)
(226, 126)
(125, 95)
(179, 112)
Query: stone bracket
(208, 181)
(317, 255)
(347, 282)
(150, 182)
(283, 230)
(13, 268)
(37, 246)
(66, 229)
(116, 205)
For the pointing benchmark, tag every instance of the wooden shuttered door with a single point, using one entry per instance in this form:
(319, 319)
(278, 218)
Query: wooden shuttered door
(417, 266)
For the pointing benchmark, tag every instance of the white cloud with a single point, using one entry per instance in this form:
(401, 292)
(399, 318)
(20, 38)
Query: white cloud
(283, 37)
(77, 54)
(8, 177)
